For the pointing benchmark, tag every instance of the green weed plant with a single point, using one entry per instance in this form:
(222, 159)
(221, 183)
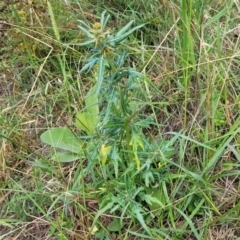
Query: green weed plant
(123, 163)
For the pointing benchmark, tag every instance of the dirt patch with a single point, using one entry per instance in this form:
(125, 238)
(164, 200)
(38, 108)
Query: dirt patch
(30, 231)
(6, 86)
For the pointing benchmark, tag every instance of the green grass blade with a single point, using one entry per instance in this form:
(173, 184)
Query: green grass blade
(190, 223)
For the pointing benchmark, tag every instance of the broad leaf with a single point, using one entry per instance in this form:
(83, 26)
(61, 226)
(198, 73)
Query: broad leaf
(92, 102)
(61, 138)
(87, 119)
(153, 198)
(66, 157)
(115, 225)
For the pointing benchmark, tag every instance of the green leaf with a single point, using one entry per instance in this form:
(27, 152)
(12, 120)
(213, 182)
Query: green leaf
(190, 223)
(115, 160)
(148, 177)
(124, 29)
(61, 138)
(87, 119)
(153, 199)
(85, 24)
(92, 102)
(218, 154)
(145, 123)
(86, 32)
(119, 38)
(115, 225)
(100, 213)
(143, 236)
(85, 43)
(141, 220)
(157, 196)
(101, 70)
(91, 62)
(105, 150)
(216, 17)
(104, 20)
(136, 141)
(66, 157)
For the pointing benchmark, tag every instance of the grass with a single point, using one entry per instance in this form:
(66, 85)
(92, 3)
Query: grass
(188, 53)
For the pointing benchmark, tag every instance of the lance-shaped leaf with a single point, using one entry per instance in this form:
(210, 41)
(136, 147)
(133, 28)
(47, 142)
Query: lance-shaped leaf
(135, 142)
(124, 29)
(105, 150)
(86, 32)
(140, 218)
(85, 43)
(119, 38)
(85, 24)
(88, 66)
(104, 20)
(101, 70)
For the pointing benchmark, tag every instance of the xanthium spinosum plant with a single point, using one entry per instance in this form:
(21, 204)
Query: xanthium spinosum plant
(123, 163)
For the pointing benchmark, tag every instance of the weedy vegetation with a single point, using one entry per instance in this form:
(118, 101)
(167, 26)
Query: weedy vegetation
(119, 120)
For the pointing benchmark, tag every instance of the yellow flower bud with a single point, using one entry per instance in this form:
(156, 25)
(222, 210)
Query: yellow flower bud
(96, 26)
